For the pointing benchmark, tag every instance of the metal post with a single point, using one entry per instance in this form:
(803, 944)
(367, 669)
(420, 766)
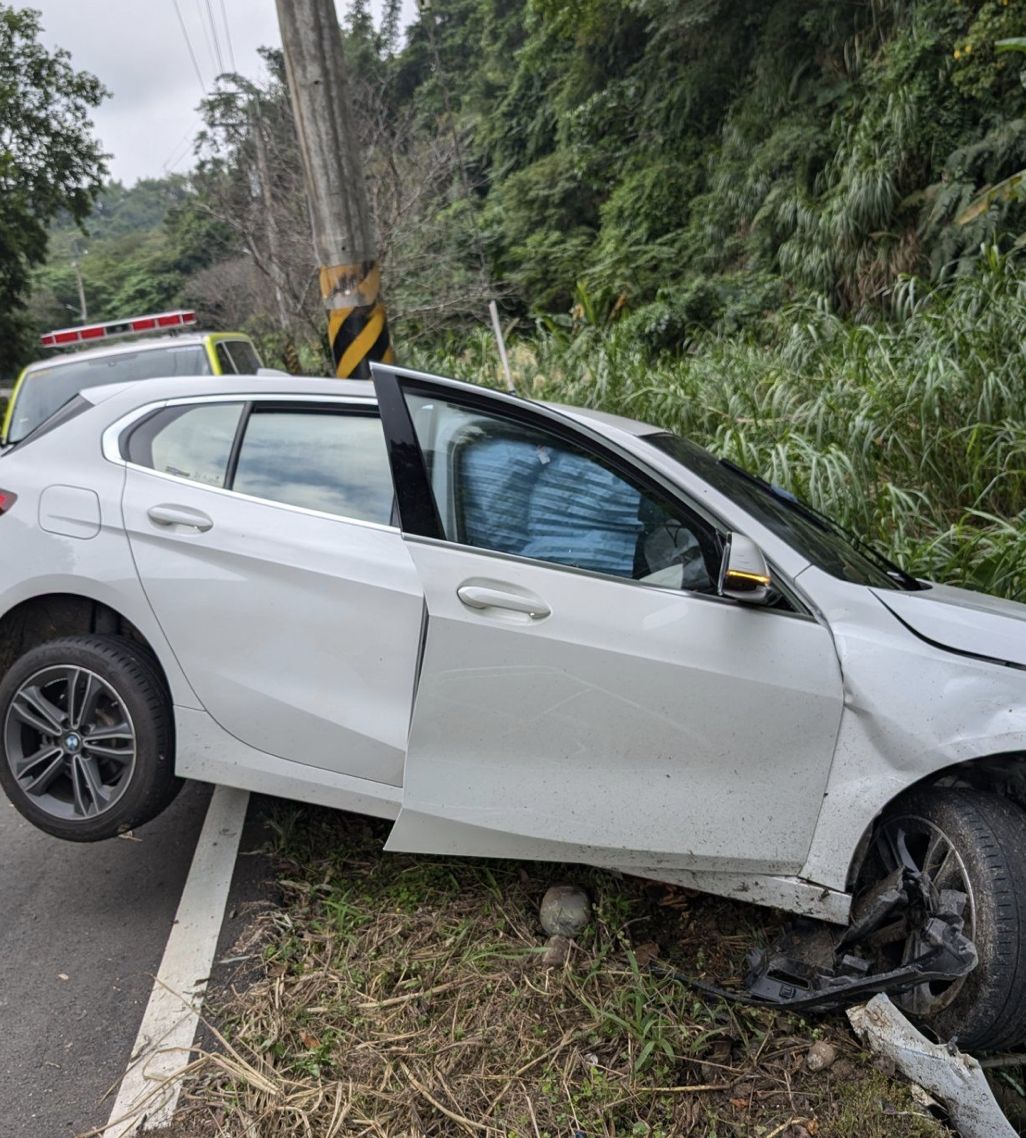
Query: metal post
(83, 313)
(339, 214)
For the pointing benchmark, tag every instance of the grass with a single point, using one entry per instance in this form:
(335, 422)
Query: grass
(402, 995)
(911, 432)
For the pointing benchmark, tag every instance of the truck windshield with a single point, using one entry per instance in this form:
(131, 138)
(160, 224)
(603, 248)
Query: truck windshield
(811, 533)
(47, 388)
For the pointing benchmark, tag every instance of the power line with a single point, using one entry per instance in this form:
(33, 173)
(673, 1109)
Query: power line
(217, 38)
(228, 36)
(188, 44)
(181, 149)
(206, 34)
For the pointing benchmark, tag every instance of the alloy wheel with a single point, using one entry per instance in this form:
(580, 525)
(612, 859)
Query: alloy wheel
(70, 742)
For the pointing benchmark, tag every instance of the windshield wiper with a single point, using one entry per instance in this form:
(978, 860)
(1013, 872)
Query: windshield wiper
(827, 524)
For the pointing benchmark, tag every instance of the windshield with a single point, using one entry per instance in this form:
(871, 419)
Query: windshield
(812, 534)
(46, 389)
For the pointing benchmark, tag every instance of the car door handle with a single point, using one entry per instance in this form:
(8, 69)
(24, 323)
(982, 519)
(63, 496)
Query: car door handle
(483, 597)
(180, 516)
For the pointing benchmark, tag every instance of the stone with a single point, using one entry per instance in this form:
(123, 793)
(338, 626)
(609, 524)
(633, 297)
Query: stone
(820, 1056)
(565, 911)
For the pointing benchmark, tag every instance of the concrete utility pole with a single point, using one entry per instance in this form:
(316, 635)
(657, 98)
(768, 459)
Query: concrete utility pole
(342, 230)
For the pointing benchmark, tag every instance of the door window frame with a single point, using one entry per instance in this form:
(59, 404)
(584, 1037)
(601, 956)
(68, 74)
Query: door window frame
(227, 365)
(417, 512)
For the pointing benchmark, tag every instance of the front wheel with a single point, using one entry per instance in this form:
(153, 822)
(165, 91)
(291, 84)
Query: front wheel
(86, 738)
(973, 842)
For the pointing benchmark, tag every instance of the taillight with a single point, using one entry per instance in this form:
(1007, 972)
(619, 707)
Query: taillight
(7, 500)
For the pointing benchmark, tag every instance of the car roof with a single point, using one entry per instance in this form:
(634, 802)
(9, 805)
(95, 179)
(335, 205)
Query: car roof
(189, 386)
(138, 391)
(127, 347)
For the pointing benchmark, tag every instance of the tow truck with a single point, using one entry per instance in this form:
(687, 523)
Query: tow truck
(160, 344)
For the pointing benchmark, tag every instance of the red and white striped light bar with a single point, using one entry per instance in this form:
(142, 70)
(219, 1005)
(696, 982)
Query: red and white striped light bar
(88, 333)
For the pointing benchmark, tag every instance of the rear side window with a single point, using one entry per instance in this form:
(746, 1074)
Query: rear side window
(188, 442)
(320, 459)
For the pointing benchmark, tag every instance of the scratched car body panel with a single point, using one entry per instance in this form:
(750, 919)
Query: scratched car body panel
(514, 629)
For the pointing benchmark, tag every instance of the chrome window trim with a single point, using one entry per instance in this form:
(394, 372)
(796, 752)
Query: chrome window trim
(111, 439)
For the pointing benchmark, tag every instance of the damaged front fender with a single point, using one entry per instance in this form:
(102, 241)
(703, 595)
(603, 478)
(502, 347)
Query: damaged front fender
(912, 711)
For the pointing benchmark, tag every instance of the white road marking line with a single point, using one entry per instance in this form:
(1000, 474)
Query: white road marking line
(169, 1023)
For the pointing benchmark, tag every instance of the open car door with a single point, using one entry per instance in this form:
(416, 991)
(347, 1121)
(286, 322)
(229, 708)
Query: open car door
(585, 694)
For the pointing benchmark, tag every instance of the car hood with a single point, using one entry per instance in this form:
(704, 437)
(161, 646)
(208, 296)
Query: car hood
(963, 621)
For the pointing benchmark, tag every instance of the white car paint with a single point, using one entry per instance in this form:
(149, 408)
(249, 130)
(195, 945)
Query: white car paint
(740, 750)
(628, 697)
(964, 621)
(317, 622)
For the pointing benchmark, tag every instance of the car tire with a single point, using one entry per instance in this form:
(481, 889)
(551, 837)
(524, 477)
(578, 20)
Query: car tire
(977, 842)
(86, 738)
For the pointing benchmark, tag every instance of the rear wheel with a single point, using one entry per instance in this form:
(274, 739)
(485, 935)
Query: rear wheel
(86, 738)
(975, 843)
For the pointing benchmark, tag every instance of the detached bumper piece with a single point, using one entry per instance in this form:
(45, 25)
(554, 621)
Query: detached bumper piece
(815, 971)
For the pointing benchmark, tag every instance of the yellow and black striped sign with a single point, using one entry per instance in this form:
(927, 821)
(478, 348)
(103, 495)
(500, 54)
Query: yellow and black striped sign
(357, 325)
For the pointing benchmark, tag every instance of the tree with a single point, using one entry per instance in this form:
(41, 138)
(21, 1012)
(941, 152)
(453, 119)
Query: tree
(49, 161)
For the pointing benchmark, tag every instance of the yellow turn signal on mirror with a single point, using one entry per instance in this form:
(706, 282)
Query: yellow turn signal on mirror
(742, 578)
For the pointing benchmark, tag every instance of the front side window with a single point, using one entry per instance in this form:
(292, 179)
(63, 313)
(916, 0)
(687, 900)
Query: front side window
(506, 486)
(46, 389)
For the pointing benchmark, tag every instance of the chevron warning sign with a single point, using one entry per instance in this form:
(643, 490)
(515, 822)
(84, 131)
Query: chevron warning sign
(357, 325)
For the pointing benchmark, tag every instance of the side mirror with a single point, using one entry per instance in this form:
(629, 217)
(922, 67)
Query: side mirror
(744, 574)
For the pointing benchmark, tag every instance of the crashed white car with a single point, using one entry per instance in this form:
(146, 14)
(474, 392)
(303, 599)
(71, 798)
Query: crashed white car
(526, 631)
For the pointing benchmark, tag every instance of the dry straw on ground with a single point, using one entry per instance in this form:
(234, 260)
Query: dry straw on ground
(405, 996)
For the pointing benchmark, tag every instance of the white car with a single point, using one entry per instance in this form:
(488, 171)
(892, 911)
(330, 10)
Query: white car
(519, 630)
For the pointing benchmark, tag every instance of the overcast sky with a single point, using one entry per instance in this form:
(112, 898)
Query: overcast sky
(139, 52)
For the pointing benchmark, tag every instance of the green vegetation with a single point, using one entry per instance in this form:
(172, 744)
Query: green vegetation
(404, 995)
(698, 161)
(49, 161)
(132, 254)
(691, 164)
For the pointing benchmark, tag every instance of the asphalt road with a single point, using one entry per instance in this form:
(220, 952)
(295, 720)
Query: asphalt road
(82, 931)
